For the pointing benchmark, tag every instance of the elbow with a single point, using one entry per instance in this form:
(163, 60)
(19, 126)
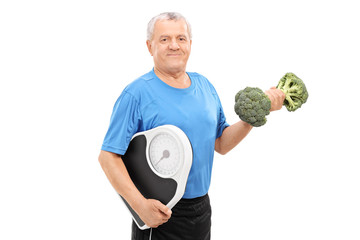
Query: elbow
(220, 149)
(107, 159)
(102, 158)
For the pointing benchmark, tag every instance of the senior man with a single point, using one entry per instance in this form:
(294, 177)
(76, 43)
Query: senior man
(170, 95)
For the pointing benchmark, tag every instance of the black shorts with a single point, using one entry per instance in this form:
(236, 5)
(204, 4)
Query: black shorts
(190, 220)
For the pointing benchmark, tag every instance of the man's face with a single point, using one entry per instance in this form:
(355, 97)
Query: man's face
(170, 45)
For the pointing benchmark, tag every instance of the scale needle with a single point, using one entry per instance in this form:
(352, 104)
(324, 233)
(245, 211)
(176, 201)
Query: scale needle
(166, 154)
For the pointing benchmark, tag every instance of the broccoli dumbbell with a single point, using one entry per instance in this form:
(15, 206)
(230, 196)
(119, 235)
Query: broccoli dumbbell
(252, 104)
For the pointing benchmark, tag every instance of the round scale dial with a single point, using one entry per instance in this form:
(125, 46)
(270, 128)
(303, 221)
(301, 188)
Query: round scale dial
(164, 154)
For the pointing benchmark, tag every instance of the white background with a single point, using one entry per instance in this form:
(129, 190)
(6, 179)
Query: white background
(64, 63)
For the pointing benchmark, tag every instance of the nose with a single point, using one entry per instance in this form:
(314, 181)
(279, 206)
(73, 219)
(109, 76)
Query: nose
(174, 45)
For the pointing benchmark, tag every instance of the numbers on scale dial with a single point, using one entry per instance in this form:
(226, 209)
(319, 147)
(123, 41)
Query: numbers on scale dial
(164, 154)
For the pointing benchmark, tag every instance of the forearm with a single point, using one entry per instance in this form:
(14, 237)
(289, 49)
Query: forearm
(232, 136)
(116, 172)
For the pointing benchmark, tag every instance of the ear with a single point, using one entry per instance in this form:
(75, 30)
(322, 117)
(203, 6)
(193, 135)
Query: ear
(148, 44)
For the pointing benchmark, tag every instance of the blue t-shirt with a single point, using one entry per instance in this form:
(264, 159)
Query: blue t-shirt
(148, 102)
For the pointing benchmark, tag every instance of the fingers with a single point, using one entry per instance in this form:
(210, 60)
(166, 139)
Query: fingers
(276, 97)
(164, 209)
(164, 212)
(156, 213)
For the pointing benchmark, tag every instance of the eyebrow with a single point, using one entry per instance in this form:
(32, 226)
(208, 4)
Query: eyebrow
(166, 36)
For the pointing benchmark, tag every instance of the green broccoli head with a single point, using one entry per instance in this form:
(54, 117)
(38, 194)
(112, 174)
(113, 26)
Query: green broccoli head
(295, 91)
(252, 105)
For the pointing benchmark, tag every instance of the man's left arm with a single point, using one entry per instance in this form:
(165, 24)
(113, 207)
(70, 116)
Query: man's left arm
(235, 133)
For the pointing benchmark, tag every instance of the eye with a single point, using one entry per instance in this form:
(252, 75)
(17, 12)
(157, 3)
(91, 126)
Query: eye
(182, 39)
(164, 39)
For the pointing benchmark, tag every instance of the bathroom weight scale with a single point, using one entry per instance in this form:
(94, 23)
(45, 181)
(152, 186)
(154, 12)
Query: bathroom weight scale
(159, 162)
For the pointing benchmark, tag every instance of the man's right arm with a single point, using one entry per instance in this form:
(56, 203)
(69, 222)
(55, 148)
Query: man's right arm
(151, 211)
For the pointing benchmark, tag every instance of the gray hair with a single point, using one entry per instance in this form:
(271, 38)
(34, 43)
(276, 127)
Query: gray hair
(166, 16)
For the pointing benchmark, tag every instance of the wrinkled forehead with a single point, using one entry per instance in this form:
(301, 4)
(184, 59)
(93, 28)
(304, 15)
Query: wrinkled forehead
(171, 28)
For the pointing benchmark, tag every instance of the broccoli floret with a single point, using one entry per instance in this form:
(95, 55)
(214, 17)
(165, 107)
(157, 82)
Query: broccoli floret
(295, 91)
(252, 105)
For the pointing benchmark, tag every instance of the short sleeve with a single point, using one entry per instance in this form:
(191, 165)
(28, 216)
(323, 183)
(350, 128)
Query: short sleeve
(222, 124)
(124, 123)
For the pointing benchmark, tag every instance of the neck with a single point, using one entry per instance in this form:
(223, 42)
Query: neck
(176, 79)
